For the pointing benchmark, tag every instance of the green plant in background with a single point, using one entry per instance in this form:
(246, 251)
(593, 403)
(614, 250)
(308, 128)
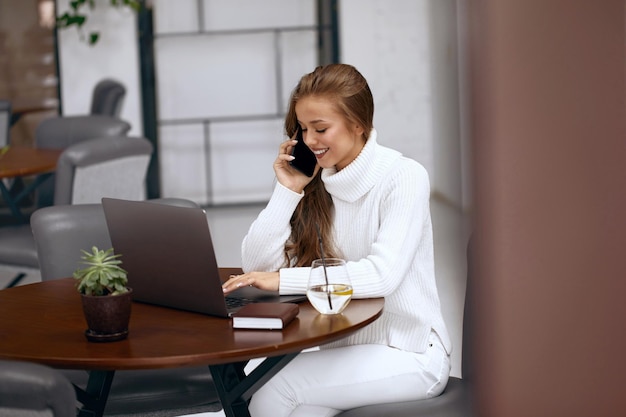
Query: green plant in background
(76, 16)
(102, 275)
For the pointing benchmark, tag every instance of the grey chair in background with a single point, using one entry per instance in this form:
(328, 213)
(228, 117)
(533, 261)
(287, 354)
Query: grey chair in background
(86, 172)
(60, 233)
(103, 167)
(64, 131)
(108, 98)
(5, 122)
(456, 400)
(33, 390)
(5, 127)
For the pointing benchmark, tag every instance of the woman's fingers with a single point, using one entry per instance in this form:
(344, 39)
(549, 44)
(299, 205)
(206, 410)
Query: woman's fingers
(263, 280)
(237, 281)
(286, 147)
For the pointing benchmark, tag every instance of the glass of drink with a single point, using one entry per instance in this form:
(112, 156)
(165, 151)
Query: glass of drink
(329, 289)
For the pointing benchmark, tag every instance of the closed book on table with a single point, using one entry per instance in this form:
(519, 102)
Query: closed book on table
(265, 315)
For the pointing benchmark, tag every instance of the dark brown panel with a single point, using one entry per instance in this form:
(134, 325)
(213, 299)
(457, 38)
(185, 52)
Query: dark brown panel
(549, 142)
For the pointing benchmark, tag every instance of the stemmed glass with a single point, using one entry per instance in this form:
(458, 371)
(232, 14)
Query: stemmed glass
(329, 288)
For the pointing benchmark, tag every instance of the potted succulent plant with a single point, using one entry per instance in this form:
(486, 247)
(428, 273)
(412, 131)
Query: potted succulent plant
(105, 297)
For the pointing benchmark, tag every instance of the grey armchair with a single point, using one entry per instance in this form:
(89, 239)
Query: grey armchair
(86, 172)
(102, 167)
(29, 389)
(108, 98)
(60, 232)
(64, 131)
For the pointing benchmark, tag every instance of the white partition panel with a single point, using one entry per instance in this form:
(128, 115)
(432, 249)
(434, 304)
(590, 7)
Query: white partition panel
(82, 66)
(241, 159)
(224, 73)
(255, 14)
(216, 76)
(175, 16)
(298, 56)
(183, 157)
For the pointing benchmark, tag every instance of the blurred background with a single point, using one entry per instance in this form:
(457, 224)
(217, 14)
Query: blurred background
(208, 80)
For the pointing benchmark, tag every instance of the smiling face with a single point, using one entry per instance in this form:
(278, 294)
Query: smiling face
(334, 140)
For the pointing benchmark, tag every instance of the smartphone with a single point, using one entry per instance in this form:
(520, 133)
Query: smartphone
(305, 160)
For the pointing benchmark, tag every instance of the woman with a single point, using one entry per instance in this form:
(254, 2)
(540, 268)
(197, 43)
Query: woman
(371, 205)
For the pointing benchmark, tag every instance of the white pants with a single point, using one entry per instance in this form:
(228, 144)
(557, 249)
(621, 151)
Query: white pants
(325, 382)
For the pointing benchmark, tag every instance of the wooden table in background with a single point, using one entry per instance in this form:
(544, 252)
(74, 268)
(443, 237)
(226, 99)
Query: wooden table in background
(18, 161)
(44, 323)
(22, 107)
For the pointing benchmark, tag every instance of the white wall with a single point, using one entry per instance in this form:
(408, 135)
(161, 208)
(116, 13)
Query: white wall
(388, 42)
(445, 100)
(407, 50)
(223, 82)
(114, 56)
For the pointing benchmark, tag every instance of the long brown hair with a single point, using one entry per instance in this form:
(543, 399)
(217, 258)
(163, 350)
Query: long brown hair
(348, 89)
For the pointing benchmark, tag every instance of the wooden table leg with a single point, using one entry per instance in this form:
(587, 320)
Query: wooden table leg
(94, 396)
(235, 388)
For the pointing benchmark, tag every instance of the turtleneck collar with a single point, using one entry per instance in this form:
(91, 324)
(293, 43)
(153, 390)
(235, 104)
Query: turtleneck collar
(356, 179)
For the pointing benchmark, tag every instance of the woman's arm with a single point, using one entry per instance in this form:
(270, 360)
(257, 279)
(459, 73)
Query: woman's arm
(263, 247)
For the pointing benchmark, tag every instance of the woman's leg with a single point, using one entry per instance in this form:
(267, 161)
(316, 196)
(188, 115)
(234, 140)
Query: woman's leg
(322, 383)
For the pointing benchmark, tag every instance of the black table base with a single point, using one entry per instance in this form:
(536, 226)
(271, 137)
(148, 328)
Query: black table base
(234, 387)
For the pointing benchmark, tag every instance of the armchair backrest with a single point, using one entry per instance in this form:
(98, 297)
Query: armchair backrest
(108, 98)
(103, 167)
(60, 233)
(63, 131)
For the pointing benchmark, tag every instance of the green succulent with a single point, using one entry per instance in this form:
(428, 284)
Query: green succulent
(102, 275)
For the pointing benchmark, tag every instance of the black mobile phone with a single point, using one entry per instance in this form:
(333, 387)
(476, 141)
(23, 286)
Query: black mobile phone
(305, 160)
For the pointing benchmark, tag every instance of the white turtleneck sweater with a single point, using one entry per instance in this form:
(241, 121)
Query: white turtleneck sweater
(382, 227)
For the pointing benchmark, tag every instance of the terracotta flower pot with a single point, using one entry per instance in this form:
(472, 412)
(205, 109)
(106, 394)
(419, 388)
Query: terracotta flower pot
(107, 316)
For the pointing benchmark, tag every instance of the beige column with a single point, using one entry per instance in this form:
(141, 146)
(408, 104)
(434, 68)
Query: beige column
(548, 123)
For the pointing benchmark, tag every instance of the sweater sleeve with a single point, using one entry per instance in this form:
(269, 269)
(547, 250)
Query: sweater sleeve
(403, 240)
(263, 246)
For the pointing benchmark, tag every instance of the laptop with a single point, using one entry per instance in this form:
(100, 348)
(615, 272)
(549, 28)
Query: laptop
(168, 254)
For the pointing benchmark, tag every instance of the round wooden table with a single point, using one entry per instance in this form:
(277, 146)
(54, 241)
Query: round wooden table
(44, 323)
(19, 161)
(22, 107)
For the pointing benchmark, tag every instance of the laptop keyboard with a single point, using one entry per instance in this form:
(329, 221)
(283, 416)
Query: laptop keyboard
(234, 302)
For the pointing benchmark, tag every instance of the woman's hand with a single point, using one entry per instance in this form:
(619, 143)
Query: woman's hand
(287, 175)
(263, 280)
